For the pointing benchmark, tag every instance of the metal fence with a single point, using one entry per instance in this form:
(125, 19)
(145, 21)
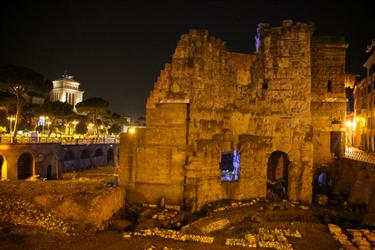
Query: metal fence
(61, 140)
(359, 155)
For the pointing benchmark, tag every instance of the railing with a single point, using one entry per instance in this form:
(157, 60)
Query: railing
(359, 155)
(61, 140)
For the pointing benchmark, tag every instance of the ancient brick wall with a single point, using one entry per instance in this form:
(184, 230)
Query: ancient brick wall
(328, 104)
(152, 160)
(209, 101)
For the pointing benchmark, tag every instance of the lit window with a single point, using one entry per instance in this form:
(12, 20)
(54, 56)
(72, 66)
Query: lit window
(329, 86)
(230, 166)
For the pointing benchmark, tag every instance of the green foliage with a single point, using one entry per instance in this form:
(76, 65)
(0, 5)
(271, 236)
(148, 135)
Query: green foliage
(59, 110)
(81, 128)
(93, 105)
(14, 77)
(115, 129)
(8, 103)
(95, 108)
(19, 81)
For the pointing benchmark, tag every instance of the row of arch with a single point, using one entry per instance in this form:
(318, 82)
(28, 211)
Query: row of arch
(24, 166)
(85, 154)
(26, 163)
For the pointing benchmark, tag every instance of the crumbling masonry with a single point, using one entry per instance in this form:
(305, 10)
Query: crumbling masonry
(279, 111)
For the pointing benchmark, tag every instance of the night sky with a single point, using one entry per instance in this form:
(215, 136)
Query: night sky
(117, 48)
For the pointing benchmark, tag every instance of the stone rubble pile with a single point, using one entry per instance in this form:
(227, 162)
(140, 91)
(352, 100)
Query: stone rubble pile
(154, 248)
(266, 238)
(355, 238)
(215, 226)
(169, 234)
(165, 214)
(237, 205)
(24, 212)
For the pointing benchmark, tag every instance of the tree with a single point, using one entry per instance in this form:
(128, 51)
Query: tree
(81, 128)
(57, 112)
(19, 81)
(116, 122)
(95, 108)
(8, 105)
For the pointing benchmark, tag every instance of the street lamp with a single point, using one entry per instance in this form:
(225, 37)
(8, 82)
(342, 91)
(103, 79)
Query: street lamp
(131, 130)
(11, 118)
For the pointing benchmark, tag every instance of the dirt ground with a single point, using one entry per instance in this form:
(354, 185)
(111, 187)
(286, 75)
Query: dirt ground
(315, 235)
(311, 221)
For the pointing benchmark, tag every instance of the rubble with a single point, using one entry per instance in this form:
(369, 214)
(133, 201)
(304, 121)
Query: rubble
(321, 199)
(361, 238)
(266, 238)
(215, 226)
(170, 234)
(24, 212)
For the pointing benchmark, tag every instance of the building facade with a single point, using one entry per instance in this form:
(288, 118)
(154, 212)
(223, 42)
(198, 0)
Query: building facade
(225, 125)
(364, 107)
(66, 89)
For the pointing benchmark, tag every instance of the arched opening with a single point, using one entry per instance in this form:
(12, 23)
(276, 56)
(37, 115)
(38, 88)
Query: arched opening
(98, 152)
(69, 156)
(85, 154)
(109, 156)
(24, 166)
(230, 166)
(1, 166)
(49, 172)
(277, 175)
(329, 86)
(323, 183)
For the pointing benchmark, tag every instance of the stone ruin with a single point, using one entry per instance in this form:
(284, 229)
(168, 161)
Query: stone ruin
(227, 125)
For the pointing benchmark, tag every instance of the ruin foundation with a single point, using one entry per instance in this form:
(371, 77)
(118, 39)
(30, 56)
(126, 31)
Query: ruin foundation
(226, 125)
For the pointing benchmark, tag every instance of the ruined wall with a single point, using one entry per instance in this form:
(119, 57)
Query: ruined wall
(354, 179)
(283, 106)
(219, 101)
(153, 159)
(328, 106)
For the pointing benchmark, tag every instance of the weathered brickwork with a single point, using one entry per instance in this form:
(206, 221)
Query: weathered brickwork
(209, 101)
(328, 104)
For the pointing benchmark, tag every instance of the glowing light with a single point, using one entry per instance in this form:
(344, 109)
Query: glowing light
(131, 130)
(348, 123)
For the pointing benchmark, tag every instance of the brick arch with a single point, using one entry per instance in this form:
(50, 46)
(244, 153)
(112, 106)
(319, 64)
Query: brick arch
(98, 152)
(277, 166)
(278, 173)
(51, 167)
(3, 167)
(110, 155)
(69, 155)
(85, 154)
(25, 165)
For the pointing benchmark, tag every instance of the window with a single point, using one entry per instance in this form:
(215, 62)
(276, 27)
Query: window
(368, 88)
(230, 166)
(329, 86)
(265, 85)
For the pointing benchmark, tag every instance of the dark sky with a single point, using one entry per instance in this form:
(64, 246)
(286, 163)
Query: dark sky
(117, 48)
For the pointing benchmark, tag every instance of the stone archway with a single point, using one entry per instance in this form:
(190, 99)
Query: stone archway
(98, 152)
(49, 172)
(98, 157)
(109, 156)
(2, 166)
(25, 166)
(69, 156)
(85, 154)
(277, 175)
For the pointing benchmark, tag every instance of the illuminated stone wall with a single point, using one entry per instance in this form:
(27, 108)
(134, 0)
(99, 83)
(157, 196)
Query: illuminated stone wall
(328, 104)
(209, 101)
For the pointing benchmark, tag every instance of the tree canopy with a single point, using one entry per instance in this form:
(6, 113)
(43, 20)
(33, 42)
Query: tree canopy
(20, 81)
(95, 108)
